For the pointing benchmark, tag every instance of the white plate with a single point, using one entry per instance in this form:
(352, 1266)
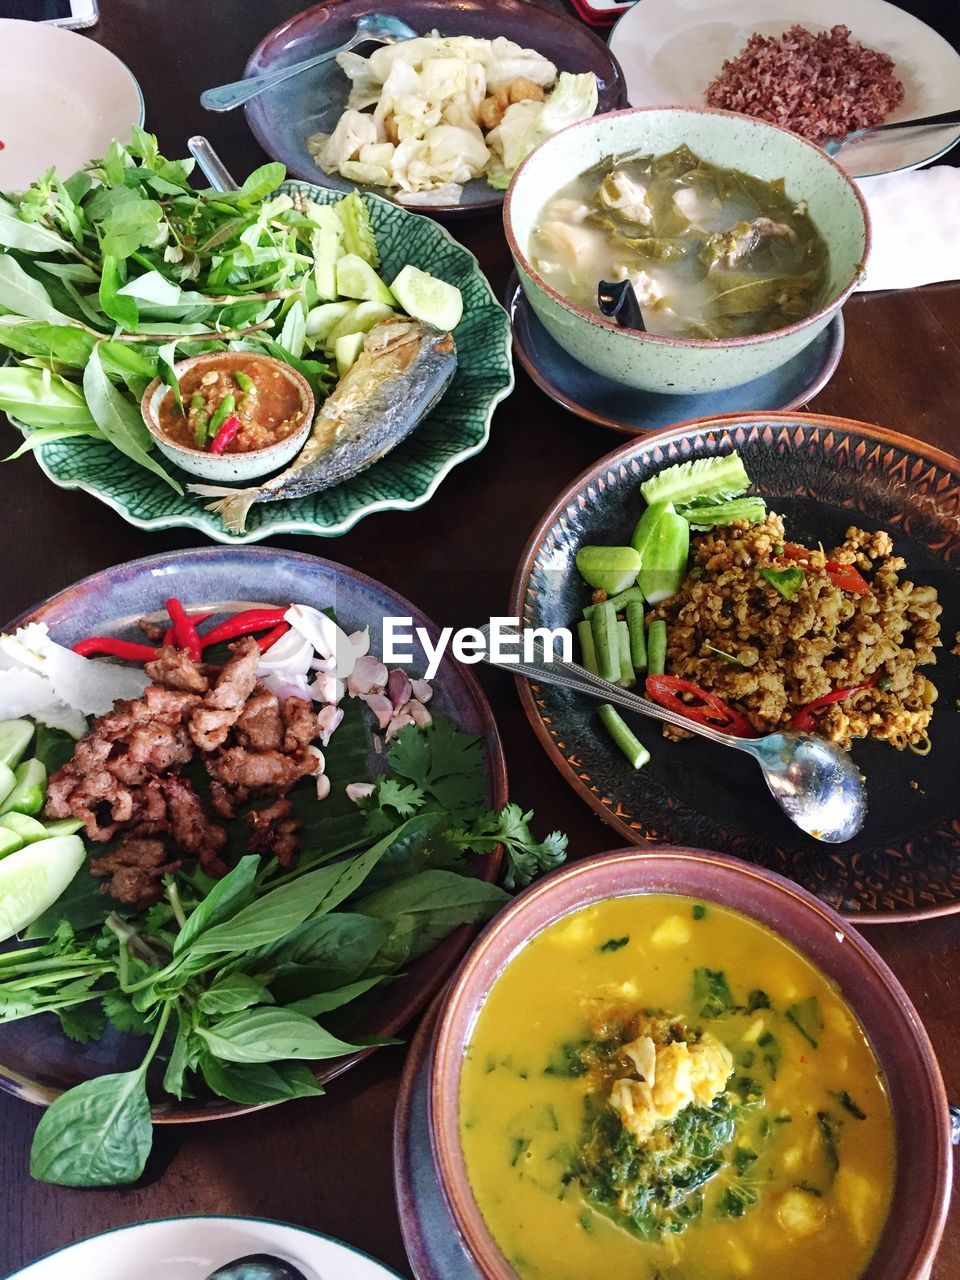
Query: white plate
(670, 50)
(190, 1248)
(63, 98)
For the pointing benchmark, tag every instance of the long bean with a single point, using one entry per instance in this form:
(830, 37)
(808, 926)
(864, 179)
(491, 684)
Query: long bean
(627, 678)
(657, 647)
(606, 642)
(638, 636)
(245, 382)
(223, 411)
(631, 594)
(623, 736)
(588, 652)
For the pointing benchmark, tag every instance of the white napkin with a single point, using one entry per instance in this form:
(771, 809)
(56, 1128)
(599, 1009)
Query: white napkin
(916, 227)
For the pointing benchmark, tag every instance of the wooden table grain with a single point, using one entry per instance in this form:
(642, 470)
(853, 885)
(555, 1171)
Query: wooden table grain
(326, 1164)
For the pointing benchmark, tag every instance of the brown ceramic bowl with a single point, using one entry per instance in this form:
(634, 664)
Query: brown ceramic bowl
(921, 1117)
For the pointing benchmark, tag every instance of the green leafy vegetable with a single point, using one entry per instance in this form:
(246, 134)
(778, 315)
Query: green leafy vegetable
(805, 1015)
(614, 944)
(711, 993)
(787, 581)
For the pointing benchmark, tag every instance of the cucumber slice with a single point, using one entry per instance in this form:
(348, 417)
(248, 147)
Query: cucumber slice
(10, 842)
(15, 736)
(357, 279)
(347, 350)
(428, 299)
(8, 780)
(360, 320)
(63, 827)
(320, 320)
(33, 878)
(29, 790)
(22, 825)
(609, 569)
(698, 478)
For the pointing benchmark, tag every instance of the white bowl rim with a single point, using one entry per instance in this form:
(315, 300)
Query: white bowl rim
(307, 400)
(836, 300)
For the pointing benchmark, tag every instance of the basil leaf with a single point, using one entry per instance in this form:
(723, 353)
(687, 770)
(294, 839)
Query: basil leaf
(226, 897)
(153, 288)
(327, 1001)
(97, 1134)
(787, 581)
(119, 420)
(436, 902)
(265, 1035)
(50, 435)
(294, 332)
(24, 296)
(123, 310)
(257, 1083)
(261, 183)
(42, 399)
(64, 343)
(179, 1063)
(321, 955)
(28, 237)
(233, 993)
(129, 225)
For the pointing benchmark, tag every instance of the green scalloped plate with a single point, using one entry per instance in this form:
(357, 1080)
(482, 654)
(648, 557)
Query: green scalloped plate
(457, 429)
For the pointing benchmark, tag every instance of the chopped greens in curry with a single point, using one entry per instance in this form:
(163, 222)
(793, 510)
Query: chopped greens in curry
(710, 252)
(669, 1090)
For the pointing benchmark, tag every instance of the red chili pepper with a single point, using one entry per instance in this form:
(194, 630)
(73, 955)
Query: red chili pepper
(845, 576)
(242, 624)
(266, 642)
(804, 721)
(224, 436)
(184, 629)
(169, 636)
(714, 712)
(115, 649)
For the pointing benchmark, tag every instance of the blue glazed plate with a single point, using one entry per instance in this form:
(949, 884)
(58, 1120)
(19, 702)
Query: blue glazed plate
(37, 1062)
(613, 404)
(406, 478)
(283, 118)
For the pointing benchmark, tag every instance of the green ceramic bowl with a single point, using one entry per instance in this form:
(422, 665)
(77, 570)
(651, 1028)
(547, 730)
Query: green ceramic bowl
(687, 365)
(458, 427)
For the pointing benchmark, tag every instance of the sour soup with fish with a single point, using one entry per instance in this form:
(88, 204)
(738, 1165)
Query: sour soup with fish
(658, 1087)
(710, 252)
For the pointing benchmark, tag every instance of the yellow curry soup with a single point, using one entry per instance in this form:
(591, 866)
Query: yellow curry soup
(657, 1087)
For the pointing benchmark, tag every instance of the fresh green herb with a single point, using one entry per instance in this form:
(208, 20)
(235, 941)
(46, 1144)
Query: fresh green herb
(772, 1054)
(568, 1061)
(729, 657)
(757, 999)
(586, 1222)
(787, 581)
(736, 1200)
(699, 911)
(805, 1015)
(614, 944)
(829, 1128)
(848, 1104)
(517, 1149)
(711, 993)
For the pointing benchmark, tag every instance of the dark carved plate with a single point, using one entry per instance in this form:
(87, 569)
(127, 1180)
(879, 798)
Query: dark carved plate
(822, 474)
(36, 1060)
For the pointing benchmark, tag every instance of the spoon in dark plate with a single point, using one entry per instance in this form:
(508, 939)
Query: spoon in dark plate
(257, 1266)
(379, 28)
(618, 300)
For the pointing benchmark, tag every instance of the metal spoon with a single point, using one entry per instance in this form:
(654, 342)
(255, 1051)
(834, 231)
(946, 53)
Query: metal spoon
(212, 167)
(384, 28)
(257, 1266)
(618, 300)
(832, 145)
(815, 783)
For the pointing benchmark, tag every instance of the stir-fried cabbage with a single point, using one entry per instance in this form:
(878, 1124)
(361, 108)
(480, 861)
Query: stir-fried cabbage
(432, 98)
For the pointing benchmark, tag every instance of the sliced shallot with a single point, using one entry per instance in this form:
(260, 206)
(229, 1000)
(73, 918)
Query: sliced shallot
(357, 791)
(368, 675)
(328, 720)
(381, 706)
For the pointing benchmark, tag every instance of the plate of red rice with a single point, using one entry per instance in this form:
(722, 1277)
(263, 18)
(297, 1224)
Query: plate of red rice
(801, 64)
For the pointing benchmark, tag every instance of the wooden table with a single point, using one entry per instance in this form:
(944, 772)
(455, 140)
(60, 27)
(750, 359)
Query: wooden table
(327, 1164)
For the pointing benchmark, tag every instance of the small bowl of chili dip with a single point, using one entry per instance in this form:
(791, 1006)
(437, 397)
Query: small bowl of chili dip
(241, 415)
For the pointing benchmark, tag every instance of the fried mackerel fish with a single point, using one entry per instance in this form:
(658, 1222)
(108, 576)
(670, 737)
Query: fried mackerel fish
(776, 627)
(127, 783)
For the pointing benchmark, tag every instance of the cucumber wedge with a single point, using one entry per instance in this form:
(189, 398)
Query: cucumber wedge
(666, 549)
(357, 279)
(63, 827)
(8, 780)
(15, 736)
(29, 789)
(429, 299)
(10, 842)
(609, 569)
(347, 350)
(320, 320)
(724, 476)
(33, 878)
(360, 320)
(25, 828)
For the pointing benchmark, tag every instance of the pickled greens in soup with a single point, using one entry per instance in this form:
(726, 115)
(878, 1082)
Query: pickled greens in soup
(710, 252)
(658, 1088)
